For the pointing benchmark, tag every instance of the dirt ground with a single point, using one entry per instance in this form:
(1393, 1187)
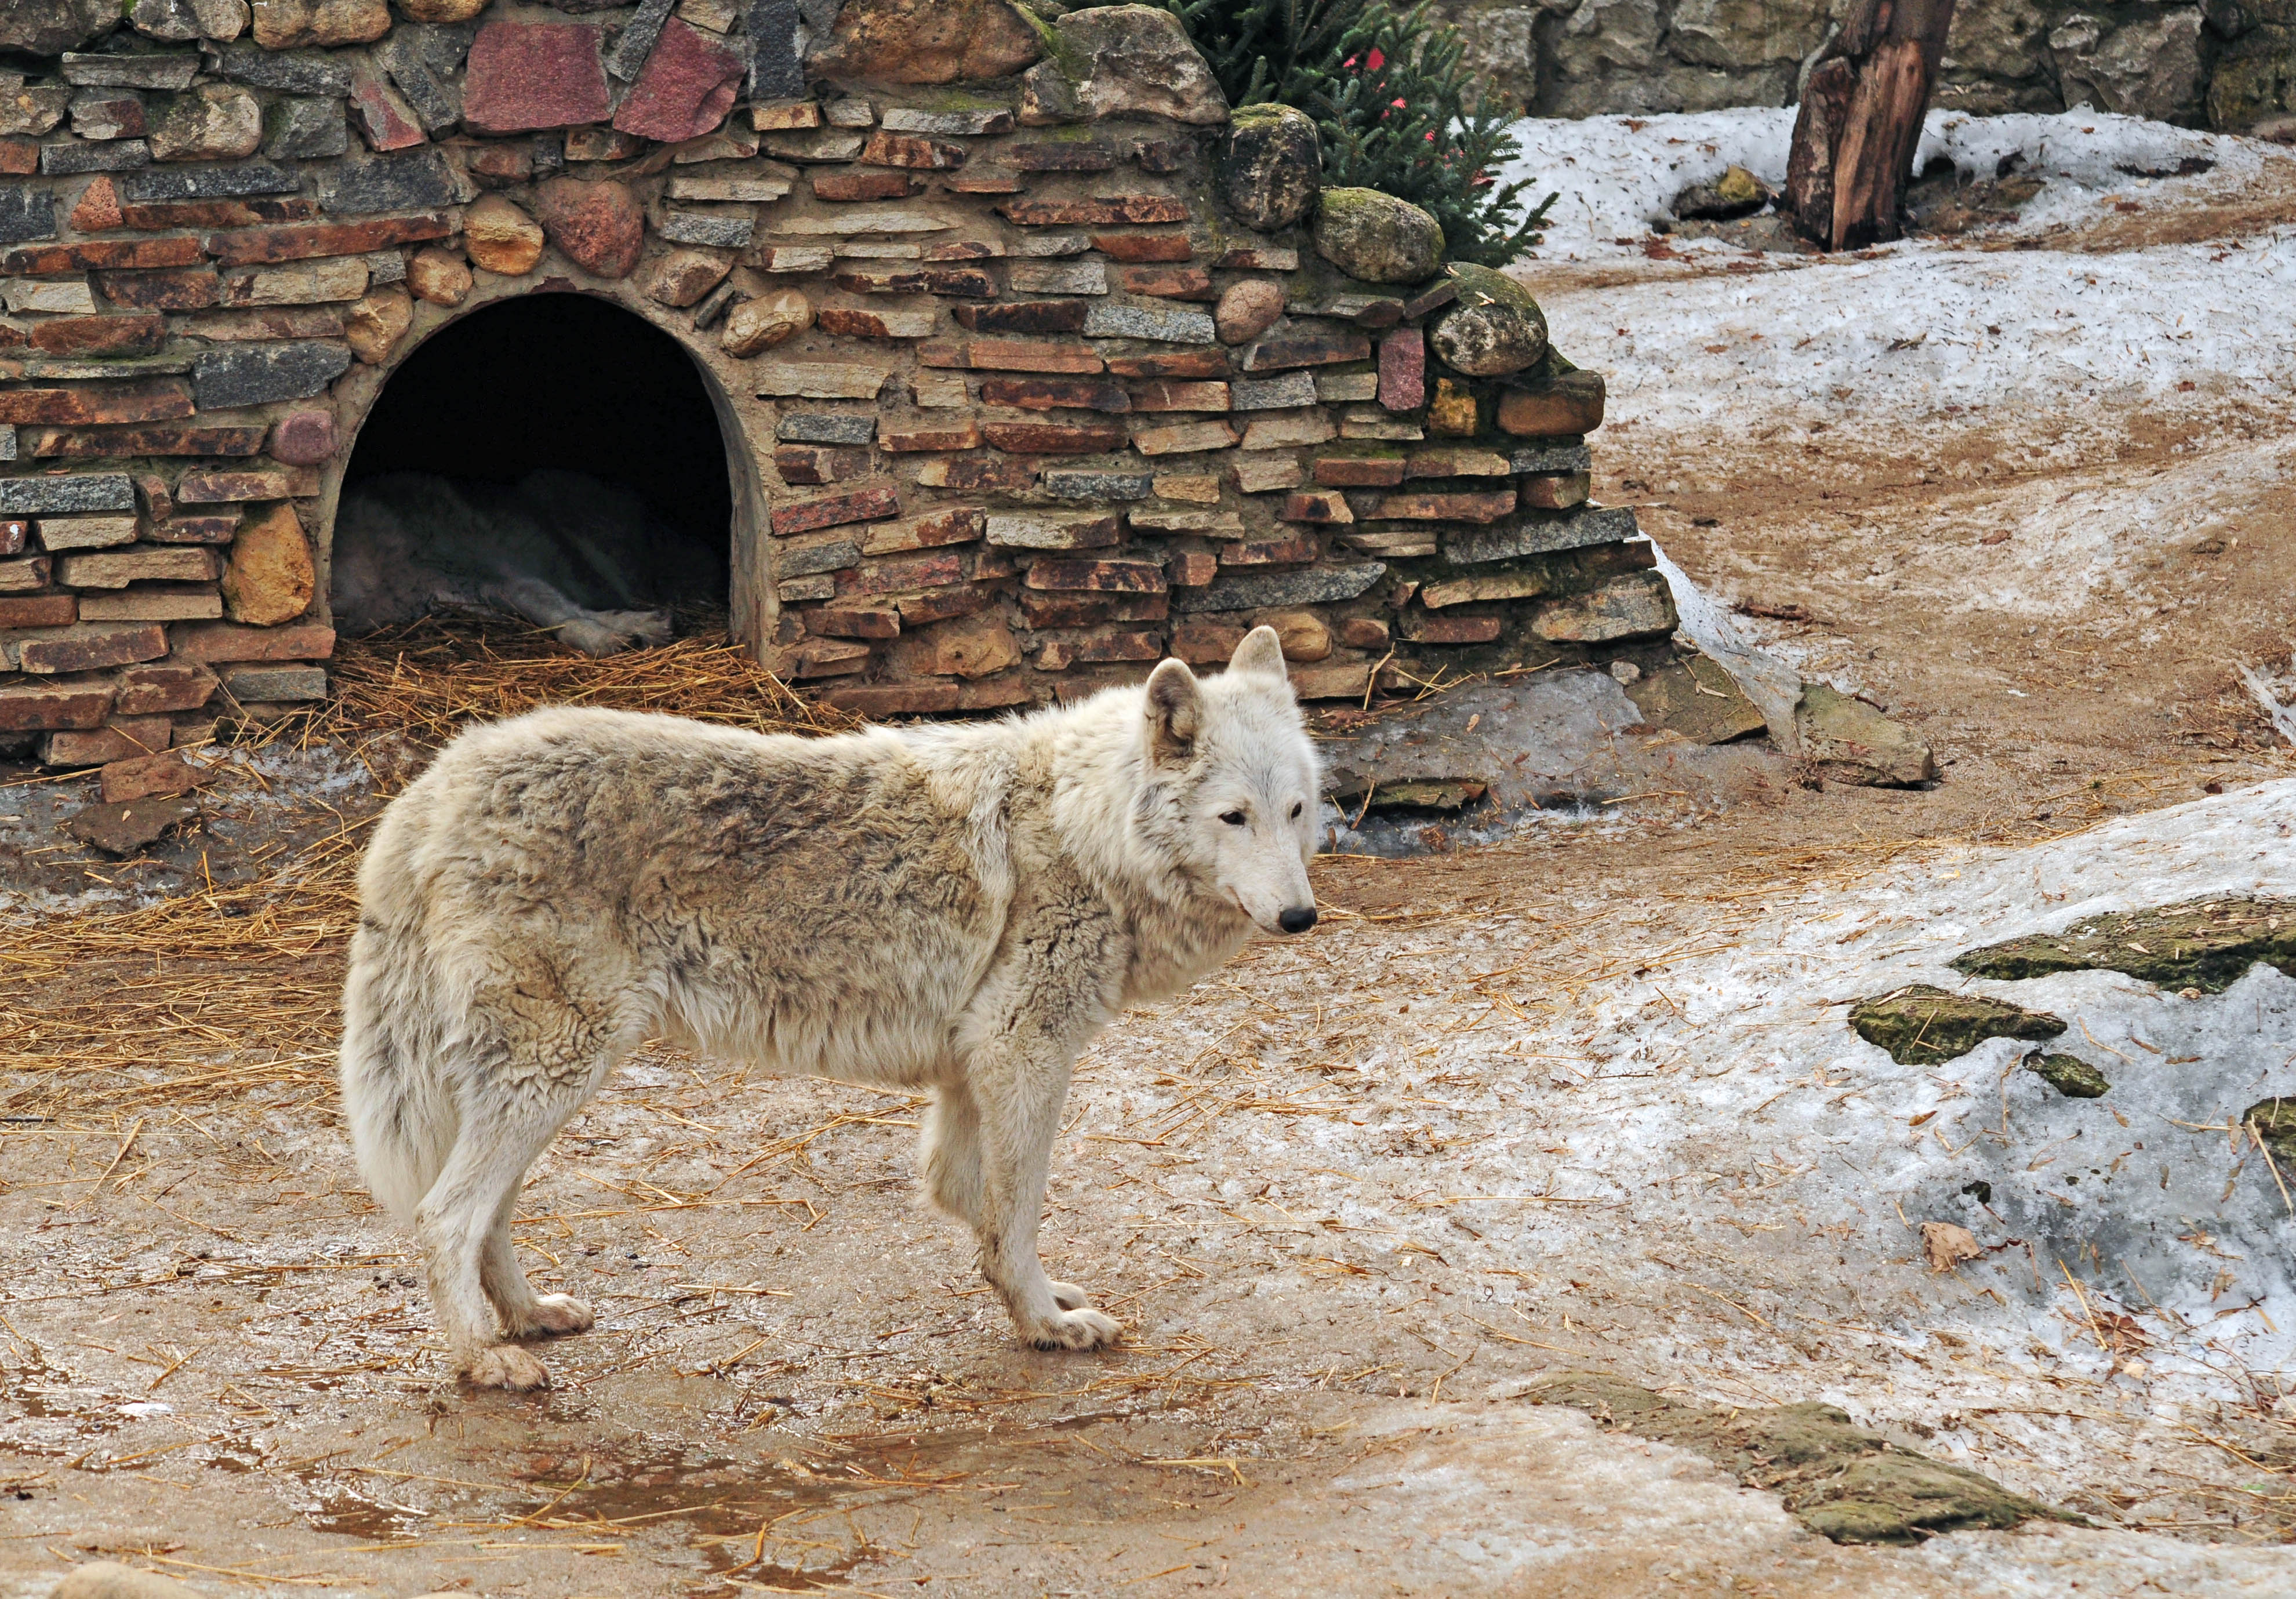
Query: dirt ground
(218, 1364)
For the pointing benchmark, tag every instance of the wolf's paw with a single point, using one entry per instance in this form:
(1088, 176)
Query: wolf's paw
(1075, 1330)
(506, 1365)
(639, 627)
(1068, 1296)
(555, 1316)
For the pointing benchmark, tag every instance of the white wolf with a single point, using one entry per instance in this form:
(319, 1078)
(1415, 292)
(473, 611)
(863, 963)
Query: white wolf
(566, 551)
(955, 907)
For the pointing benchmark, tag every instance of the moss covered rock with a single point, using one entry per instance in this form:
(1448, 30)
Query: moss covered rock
(1855, 743)
(2207, 945)
(2069, 1075)
(1270, 165)
(1923, 1025)
(1494, 327)
(1375, 237)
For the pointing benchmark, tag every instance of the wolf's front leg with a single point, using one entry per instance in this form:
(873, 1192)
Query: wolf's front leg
(1017, 1080)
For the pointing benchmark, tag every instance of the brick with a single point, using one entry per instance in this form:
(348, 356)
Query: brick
(1072, 609)
(1455, 461)
(1212, 524)
(740, 188)
(1162, 396)
(888, 148)
(54, 261)
(939, 604)
(1167, 283)
(158, 399)
(854, 621)
(1035, 532)
(33, 707)
(981, 474)
(1571, 404)
(189, 290)
(1096, 485)
(210, 643)
(241, 211)
(1334, 387)
(1557, 491)
(1201, 489)
(1047, 394)
(21, 158)
(912, 440)
(260, 374)
(22, 576)
(162, 773)
(1024, 316)
(1305, 344)
(796, 591)
(302, 283)
(117, 568)
(1098, 211)
(1192, 569)
(195, 529)
(100, 335)
(110, 443)
(163, 686)
(848, 187)
(820, 380)
(1446, 508)
(1144, 247)
(91, 647)
(1100, 644)
(303, 240)
(1317, 506)
(120, 738)
(1054, 438)
(522, 76)
(877, 700)
(1206, 644)
(1183, 438)
(979, 647)
(1110, 576)
(1280, 551)
(302, 438)
(808, 464)
(966, 282)
(958, 524)
(231, 488)
(269, 684)
(937, 570)
(62, 533)
(1359, 471)
(1283, 430)
(853, 321)
(1062, 155)
(1421, 629)
(1011, 354)
(40, 610)
(15, 532)
(830, 511)
(70, 298)
(1170, 363)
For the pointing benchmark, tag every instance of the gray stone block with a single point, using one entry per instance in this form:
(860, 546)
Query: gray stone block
(1249, 591)
(825, 427)
(700, 227)
(1553, 457)
(385, 267)
(67, 495)
(1288, 392)
(111, 155)
(777, 73)
(262, 685)
(7, 441)
(423, 60)
(26, 214)
(639, 35)
(303, 129)
(411, 180)
(256, 375)
(1098, 485)
(292, 71)
(806, 560)
(1540, 533)
(1136, 322)
(131, 71)
(234, 182)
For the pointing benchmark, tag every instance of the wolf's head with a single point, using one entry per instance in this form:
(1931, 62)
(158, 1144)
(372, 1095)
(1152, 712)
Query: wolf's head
(1235, 782)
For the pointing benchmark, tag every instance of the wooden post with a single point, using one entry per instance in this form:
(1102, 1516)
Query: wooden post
(1861, 119)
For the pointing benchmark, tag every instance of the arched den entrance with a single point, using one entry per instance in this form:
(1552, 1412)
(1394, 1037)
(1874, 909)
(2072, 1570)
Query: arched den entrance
(508, 398)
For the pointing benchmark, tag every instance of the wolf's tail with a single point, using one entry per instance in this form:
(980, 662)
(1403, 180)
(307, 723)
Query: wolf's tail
(402, 1109)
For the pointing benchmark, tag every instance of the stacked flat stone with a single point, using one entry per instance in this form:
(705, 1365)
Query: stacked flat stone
(1023, 404)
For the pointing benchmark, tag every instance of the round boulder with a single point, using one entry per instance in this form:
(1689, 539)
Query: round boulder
(1247, 308)
(1375, 237)
(759, 324)
(1270, 165)
(1494, 327)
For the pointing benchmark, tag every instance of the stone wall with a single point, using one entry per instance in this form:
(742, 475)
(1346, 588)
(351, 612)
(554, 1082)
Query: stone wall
(1028, 374)
(2226, 64)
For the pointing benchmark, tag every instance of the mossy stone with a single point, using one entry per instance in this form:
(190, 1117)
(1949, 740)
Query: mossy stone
(1270, 165)
(2275, 1121)
(1376, 238)
(2206, 944)
(1924, 1026)
(2069, 1075)
(1494, 327)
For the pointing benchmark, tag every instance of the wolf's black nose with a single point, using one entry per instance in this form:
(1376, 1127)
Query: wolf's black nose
(1297, 921)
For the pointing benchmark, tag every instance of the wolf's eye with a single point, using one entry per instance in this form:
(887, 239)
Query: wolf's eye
(1296, 806)
(1233, 818)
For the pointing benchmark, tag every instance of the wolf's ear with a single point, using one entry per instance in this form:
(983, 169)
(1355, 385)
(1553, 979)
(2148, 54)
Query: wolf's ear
(1176, 707)
(1262, 652)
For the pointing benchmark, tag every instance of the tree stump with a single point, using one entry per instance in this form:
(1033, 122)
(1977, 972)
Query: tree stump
(1861, 119)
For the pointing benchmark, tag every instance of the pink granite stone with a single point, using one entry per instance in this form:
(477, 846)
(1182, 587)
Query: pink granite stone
(685, 88)
(1403, 369)
(384, 119)
(303, 438)
(531, 74)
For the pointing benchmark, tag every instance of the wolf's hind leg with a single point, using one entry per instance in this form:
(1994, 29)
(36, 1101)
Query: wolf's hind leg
(457, 1222)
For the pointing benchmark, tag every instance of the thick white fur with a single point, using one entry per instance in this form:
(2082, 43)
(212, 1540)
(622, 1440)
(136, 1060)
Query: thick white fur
(566, 551)
(956, 908)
